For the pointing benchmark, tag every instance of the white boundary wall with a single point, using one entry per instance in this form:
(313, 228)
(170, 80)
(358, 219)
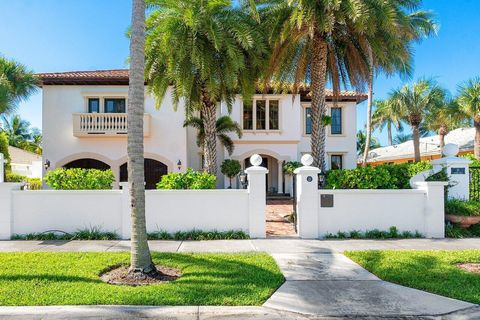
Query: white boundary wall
(24, 212)
(420, 209)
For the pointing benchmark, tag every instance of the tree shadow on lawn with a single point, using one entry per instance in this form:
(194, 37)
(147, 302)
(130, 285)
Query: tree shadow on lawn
(425, 271)
(207, 279)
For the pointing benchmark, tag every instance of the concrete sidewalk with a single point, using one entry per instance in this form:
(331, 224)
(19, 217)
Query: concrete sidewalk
(321, 283)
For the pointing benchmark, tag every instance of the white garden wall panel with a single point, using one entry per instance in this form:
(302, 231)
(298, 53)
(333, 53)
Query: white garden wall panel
(177, 210)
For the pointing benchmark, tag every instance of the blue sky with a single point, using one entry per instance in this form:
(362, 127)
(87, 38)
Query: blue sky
(66, 35)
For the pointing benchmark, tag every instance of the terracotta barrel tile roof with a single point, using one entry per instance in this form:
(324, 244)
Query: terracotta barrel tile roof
(120, 77)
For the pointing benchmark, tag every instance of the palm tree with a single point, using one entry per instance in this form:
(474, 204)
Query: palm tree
(402, 137)
(385, 116)
(16, 84)
(141, 264)
(223, 126)
(207, 52)
(18, 130)
(362, 139)
(414, 103)
(315, 42)
(389, 49)
(469, 101)
(444, 117)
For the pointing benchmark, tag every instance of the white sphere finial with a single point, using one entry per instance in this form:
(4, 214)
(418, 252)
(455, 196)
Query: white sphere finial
(256, 160)
(450, 150)
(307, 160)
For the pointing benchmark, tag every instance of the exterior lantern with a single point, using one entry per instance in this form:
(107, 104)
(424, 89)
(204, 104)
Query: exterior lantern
(243, 179)
(179, 165)
(46, 165)
(321, 179)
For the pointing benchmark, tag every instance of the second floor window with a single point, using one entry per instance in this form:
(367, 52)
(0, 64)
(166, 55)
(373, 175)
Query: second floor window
(261, 114)
(115, 105)
(93, 105)
(308, 121)
(336, 126)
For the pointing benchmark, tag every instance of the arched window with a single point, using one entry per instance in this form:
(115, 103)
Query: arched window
(154, 170)
(87, 163)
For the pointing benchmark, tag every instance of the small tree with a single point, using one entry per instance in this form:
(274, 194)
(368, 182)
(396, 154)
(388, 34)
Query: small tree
(231, 168)
(290, 166)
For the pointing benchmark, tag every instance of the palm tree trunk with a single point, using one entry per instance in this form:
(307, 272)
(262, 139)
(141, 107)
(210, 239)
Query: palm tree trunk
(389, 132)
(140, 259)
(209, 114)
(319, 71)
(369, 108)
(476, 146)
(416, 142)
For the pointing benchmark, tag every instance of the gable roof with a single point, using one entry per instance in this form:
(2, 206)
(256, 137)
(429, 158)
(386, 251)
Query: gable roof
(20, 156)
(463, 137)
(120, 77)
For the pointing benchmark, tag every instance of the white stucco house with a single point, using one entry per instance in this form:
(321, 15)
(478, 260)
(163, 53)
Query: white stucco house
(85, 125)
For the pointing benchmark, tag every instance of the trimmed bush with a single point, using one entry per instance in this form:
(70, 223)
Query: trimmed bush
(187, 180)
(13, 177)
(388, 176)
(462, 208)
(231, 168)
(79, 179)
(34, 183)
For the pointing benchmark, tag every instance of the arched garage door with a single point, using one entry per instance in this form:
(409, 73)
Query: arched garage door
(87, 163)
(154, 170)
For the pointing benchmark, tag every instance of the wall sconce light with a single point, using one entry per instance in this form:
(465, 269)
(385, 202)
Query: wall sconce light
(243, 179)
(321, 180)
(179, 165)
(46, 165)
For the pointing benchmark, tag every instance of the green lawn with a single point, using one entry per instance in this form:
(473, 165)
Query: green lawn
(432, 271)
(41, 278)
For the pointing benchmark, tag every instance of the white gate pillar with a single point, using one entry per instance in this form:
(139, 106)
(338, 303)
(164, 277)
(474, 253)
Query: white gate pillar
(307, 198)
(6, 208)
(2, 167)
(257, 197)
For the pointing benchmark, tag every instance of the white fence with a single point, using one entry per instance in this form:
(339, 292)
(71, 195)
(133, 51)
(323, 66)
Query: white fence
(23, 212)
(322, 212)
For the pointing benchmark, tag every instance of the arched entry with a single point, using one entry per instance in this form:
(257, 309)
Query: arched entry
(274, 177)
(87, 163)
(154, 170)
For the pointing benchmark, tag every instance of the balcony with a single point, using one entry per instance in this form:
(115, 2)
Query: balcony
(105, 124)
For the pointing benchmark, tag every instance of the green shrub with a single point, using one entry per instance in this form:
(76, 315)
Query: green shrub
(198, 235)
(392, 233)
(475, 162)
(462, 208)
(188, 180)
(79, 179)
(13, 177)
(388, 176)
(455, 231)
(290, 166)
(231, 168)
(33, 183)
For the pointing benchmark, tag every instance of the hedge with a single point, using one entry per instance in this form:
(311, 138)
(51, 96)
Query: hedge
(79, 179)
(187, 180)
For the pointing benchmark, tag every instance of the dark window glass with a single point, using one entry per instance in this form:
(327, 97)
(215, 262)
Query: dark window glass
(94, 105)
(261, 114)
(336, 121)
(115, 106)
(336, 161)
(273, 115)
(308, 121)
(247, 115)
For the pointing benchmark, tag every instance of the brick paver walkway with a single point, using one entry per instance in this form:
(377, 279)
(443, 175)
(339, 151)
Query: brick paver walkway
(277, 214)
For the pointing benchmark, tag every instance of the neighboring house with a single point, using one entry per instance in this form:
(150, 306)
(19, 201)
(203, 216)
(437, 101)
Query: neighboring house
(85, 125)
(429, 148)
(25, 163)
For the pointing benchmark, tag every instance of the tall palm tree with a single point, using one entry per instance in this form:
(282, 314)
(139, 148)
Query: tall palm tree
(389, 49)
(362, 139)
(223, 126)
(18, 130)
(141, 264)
(385, 116)
(469, 101)
(444, 117)
(414, 103)
(207, 52)
(315, 42)
(17, 83)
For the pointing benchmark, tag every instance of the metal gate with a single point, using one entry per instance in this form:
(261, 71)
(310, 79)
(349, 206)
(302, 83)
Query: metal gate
(294, 196)
(474, 183)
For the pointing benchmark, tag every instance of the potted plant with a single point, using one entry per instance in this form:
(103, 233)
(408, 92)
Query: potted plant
(464, 213)
(230, 168)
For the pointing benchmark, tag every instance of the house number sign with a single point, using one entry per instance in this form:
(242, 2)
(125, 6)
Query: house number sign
(457, 170)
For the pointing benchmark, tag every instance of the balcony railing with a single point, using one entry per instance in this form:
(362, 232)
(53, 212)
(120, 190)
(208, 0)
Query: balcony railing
(105, 124)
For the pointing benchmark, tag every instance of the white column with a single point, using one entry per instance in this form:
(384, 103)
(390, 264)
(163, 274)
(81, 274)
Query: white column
(256, 197)
(126, 215)
(6, 209)
(280, 176)
(307, 198)
(434, 210)
(2, 167)
(457, 171)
